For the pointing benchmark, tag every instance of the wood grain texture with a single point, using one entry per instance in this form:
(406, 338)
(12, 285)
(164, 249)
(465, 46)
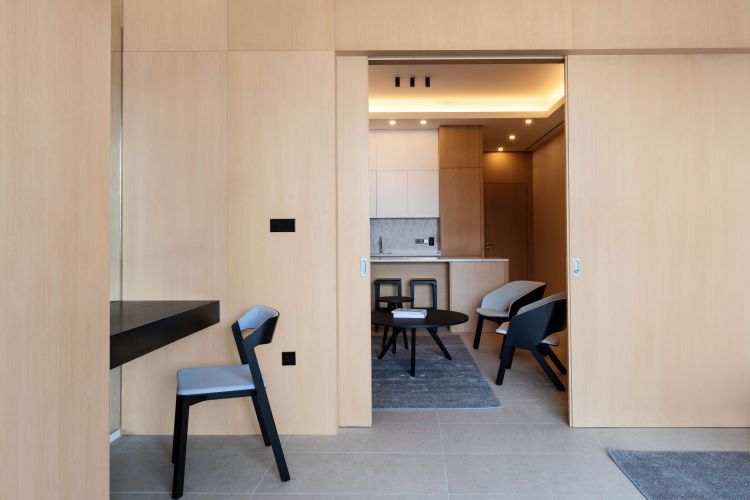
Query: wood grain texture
(507, 168)
(659, 221)
(284, 165)
(54, 185)
(453, 25)
(469, 282)
(281, 24)
(174, 25)
(461, 209)
(663, 24)
(460, 146)
(353, 242)
(549, 213)
(175, 222)
(507, 228)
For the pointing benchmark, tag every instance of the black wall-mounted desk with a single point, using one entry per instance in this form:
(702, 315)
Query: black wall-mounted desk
(137, 327)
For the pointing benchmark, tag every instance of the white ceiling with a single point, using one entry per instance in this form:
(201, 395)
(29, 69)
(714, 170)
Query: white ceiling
(500, 90)
(499, 96)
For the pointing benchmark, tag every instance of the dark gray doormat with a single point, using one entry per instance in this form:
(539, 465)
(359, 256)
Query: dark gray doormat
(440, 383)
(686, 474)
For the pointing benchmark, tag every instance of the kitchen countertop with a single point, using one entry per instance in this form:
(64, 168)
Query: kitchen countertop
(428, 258)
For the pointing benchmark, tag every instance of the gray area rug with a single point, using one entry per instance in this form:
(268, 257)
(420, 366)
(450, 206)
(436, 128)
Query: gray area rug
(686, 474)
(440, 383)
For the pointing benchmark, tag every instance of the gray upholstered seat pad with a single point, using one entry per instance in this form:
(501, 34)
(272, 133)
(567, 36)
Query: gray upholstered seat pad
(503, 329)
(212, 379)
(488, 312)
(551, 340)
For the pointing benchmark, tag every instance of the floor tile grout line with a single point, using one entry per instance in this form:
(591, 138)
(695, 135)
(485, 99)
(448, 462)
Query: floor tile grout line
(271, 464)
(442, 447)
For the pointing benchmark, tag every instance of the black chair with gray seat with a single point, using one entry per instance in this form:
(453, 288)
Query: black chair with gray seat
(195, 385)
(535, 329)
(503, 303)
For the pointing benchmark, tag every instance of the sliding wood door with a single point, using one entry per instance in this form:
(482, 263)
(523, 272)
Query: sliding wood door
(659, 214)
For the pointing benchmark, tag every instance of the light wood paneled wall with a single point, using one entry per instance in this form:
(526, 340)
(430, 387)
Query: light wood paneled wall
(353, 295)
(281, 24)
(174, 25)
(282, 163)
(453, 25)
(550, 223)
(662, 24)
(659, 221)
(175, 221)
(54, 185)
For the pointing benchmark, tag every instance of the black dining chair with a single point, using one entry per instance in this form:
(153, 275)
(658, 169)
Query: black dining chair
(503, 303)
(195, 385)
(535, 329)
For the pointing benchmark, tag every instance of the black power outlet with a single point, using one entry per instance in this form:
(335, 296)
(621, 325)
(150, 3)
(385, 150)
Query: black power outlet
(288, 358)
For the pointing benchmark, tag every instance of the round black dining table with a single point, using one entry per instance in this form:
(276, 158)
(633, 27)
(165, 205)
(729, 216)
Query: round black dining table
(435, 319)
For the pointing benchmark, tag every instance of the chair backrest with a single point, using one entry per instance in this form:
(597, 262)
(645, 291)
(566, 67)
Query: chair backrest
(538, 320)
(262, 320)
(514, 295)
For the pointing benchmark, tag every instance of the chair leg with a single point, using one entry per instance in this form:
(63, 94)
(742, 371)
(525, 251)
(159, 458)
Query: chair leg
(278, 453)
(478, 333)
(555, 360)
(512, 354)
(394, 344)
(385, 337)
(506, 354)
(547, 369)
(502, 346)
(261, 422)
(406, 340)
(177, 427)
(178, 480)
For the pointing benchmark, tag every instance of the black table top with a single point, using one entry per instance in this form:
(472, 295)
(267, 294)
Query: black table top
(137, 327)
(435, 318)
(395, 299)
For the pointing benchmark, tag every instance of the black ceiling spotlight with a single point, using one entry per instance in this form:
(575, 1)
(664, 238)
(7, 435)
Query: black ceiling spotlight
(427, 81)
(398, 81)
(412, 82)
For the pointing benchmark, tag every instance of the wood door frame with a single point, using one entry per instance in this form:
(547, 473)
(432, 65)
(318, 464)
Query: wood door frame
(354, 382)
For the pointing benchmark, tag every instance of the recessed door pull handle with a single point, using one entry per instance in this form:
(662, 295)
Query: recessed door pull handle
(363, 267)
(576, 267)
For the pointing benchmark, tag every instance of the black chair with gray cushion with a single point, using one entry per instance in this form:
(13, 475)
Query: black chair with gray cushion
(195, 385)
(503, 303)
(535, 329)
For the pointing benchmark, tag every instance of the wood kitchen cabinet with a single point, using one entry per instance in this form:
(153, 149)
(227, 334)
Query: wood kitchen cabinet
(461, 191)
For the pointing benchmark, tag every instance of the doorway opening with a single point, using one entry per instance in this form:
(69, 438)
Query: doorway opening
(467, 192)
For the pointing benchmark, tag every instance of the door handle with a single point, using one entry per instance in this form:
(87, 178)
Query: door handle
(363, 266)
(488, 245)
(576, 267)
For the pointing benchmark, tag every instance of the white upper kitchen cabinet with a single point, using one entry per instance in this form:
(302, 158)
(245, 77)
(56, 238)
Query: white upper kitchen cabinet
(423, 188)
(373, 177)
(392, 193)
(373, 163)
(422, 150)
(391, 150)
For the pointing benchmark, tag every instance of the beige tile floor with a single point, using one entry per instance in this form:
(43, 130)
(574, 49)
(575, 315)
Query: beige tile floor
(523, 450)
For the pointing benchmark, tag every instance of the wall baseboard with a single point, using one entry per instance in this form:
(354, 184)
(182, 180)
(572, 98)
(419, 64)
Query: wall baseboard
(114, 436)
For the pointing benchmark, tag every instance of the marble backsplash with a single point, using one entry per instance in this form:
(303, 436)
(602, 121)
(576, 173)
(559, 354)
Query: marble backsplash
(399, 235)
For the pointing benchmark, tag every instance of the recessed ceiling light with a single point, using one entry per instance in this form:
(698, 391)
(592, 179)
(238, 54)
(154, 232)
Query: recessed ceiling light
(392, 122)
(529, 121)
(423, 122)
(512, 137)
(500, 148)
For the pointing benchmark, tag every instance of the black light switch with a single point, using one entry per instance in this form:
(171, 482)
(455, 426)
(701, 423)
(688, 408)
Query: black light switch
(288, 358)
(282, 225)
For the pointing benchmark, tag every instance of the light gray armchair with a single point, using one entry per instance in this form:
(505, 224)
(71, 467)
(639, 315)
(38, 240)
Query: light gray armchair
(502, 304)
